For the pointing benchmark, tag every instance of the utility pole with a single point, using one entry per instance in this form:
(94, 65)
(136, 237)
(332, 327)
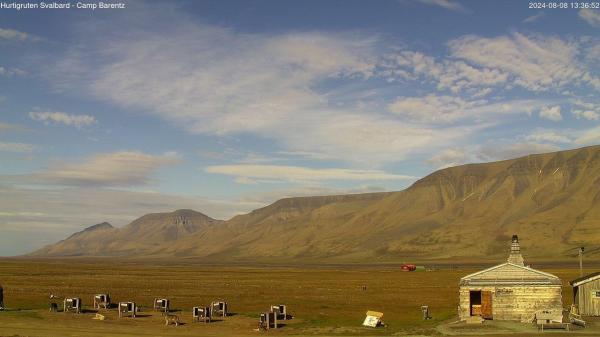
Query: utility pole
(581, 249)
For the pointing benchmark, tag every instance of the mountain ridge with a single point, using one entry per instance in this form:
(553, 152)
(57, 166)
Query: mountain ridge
(136, 237)
(552, 200)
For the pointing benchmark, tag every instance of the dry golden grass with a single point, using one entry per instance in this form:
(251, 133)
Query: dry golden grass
(323, 300)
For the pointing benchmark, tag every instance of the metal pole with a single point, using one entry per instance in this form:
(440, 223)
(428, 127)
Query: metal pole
(581, 261)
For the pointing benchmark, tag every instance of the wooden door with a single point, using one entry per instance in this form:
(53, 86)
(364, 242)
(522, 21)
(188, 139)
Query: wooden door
(486, 304)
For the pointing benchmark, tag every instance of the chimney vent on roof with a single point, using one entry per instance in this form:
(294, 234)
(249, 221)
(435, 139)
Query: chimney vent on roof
(515, 256)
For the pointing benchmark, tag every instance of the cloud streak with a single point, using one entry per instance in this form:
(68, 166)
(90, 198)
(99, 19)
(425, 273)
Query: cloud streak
(448, 109)
(534, 18)
(16, 147)
(248, 173)
(589, 137)
(58, 117)
(592, 17)
(586, 110)
(8, 72)
(11, 34)
(449, 157)
(446, 4)
(502, 151)
(117, 169)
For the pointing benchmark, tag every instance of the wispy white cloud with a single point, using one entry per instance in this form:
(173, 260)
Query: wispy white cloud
(247, 173)
(589, 137)
(11, 34)
(539, 141)
(6, 128)
(221, 82)
(4, 71)
(16, 147)
(536, 63)
(449, 157)
(447, 4)
(585, 110)
(592, 53)
(551, 112)
(508, 150)
(477, 66)
(10, 127)
(305, 154)
(445, 109)
(62, 118)
(586, 114)
(562, 137)
(549, 136)
(534, 18)
(590, 16)
(448, 74)
(118, 169)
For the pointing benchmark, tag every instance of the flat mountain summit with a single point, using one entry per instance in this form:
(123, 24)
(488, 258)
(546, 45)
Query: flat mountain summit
(147, 233)
(467, 212)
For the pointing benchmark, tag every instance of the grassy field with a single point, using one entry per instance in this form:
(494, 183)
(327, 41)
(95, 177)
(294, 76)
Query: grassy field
(323, 300)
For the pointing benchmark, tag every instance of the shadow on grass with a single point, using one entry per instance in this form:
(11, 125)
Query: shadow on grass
(29, 313)
(180, 324)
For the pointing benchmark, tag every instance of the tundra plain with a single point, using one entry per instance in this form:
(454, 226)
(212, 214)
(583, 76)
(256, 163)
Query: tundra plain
(324, 300)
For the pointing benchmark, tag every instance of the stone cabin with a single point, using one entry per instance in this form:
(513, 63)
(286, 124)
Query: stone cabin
(510, 291)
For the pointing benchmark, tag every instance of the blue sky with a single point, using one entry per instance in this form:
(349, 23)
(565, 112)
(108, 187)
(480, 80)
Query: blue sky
(226, 106)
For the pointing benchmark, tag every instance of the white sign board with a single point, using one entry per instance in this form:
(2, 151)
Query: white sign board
(371, 321)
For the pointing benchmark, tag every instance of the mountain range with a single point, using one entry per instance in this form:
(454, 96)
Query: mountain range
(467, 212)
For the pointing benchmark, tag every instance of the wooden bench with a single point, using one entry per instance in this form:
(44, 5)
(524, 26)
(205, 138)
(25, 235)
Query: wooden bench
(554, 325)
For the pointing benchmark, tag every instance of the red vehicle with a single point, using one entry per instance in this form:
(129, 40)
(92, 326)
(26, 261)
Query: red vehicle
(408, 267)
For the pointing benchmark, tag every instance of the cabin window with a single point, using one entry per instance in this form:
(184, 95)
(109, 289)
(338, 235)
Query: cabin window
(596, 293)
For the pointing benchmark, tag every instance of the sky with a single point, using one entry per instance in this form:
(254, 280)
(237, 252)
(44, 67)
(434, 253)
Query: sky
(227, 106)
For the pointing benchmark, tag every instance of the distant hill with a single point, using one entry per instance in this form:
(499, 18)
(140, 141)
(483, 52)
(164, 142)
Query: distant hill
(151, 232)
(467, 212)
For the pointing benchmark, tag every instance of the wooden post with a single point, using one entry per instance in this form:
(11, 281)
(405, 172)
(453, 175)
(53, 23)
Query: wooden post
(581, 249)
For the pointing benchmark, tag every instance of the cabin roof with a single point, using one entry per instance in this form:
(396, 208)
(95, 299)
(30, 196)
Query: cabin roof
(510, 274)
(585, 279)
